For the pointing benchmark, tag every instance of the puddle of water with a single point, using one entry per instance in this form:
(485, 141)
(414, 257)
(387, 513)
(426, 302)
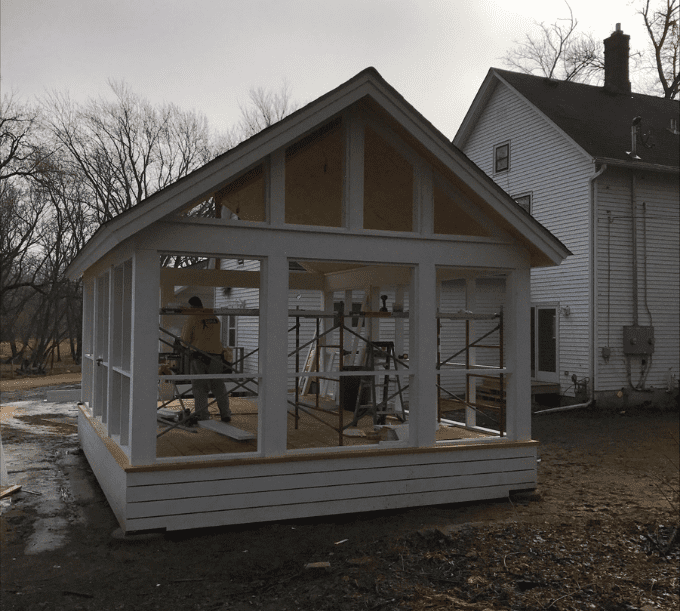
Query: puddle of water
(48, 534)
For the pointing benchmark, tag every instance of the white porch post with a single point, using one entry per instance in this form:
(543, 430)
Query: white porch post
(273, 351)
(399, 322)
(108, 413)
(144, 357)
(423, 355)
(518, 354)
(88, 341)
(471, 305)
(374, 305)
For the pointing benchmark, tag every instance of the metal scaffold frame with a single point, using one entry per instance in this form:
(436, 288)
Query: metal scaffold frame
(366, 376)
(471, 370)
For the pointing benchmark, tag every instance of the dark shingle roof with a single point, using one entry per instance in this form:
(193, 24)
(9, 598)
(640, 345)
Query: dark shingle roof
(599, 121)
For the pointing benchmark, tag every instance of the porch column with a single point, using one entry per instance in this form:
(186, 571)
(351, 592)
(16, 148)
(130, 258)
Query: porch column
(423, 355)
(399, 322)
(87, 367)
(471, 305)
(518, 354)
(144, 357)
(273, 351)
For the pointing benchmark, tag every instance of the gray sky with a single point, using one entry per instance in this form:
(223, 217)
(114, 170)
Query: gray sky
(206, 54)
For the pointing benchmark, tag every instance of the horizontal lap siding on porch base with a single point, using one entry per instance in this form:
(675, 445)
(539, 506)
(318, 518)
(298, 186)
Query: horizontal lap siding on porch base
(261, 491)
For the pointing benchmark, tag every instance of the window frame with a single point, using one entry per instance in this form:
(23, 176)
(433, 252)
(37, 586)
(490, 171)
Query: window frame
(530, 195)
(496, 158)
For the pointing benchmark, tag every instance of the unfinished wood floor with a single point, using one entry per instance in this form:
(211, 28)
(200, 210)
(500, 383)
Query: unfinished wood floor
(313, 431)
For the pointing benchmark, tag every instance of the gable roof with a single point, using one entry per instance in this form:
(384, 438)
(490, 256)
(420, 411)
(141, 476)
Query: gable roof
(367, 87)
(596, 119)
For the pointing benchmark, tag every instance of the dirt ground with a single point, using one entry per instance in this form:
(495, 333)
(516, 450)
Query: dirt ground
(592, 536)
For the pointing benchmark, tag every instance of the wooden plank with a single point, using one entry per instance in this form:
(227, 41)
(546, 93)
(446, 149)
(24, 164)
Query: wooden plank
(8, 490)
(226, 429)
(329, 461)
(325, 493)
(282, 483)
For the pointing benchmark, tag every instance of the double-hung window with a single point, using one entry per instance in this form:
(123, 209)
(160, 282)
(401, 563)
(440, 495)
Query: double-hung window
(501, 157)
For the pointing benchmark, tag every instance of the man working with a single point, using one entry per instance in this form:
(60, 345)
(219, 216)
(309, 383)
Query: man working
(202, 332)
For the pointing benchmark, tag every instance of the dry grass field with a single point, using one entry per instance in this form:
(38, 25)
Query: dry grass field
(63, 367)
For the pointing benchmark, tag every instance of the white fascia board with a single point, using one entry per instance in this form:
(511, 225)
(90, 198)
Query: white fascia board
(476, 108)
(471, 175)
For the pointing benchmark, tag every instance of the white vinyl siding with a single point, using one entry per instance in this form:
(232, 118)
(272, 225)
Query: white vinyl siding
(615, 273)
(556, 172)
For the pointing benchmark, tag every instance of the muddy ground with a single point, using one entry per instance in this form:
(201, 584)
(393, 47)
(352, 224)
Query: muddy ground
(593, 536)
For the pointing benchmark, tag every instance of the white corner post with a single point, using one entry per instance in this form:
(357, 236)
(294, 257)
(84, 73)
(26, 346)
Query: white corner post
(471, 305)
(518, 354)
(87, 366)
(144, 357)
(423, 355)
(273, 351)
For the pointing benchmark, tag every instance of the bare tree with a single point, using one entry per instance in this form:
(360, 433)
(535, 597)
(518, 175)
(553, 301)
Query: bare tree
(664, 39)
(127, 149)
(264, 108)
(558, 51)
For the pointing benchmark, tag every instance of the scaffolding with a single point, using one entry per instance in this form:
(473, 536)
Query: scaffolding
(495, 395)
(370, 354)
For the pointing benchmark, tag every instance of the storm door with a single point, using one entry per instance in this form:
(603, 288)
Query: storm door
(544, 343)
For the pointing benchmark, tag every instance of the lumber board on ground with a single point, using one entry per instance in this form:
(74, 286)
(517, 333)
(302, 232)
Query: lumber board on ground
(226, 429)
(7, 490)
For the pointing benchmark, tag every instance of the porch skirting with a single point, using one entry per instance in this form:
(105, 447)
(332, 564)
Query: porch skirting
(176, 496)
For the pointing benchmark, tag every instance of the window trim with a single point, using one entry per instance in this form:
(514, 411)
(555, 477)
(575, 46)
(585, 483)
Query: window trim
(530, 195)
(496, 148)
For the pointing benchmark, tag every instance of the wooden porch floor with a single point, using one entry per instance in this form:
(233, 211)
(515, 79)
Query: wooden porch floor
(310, 433)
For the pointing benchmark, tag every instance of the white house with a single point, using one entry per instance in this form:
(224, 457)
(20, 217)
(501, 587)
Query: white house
(598, 166)
(352, 197)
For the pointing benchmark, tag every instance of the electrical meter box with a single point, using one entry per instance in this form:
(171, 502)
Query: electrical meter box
(638, 340)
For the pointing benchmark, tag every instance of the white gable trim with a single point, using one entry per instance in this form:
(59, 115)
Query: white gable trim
(213, 175)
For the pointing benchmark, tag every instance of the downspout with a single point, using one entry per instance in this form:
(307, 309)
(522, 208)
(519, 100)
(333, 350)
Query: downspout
(633, 188)
(593, 296)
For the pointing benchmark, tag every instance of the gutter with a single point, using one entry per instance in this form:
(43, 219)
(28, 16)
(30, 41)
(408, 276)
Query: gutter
(638, 165)
(592, 345)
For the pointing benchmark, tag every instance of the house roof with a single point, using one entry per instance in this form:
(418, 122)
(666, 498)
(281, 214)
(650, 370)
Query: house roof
(596, 119)
(367, 87)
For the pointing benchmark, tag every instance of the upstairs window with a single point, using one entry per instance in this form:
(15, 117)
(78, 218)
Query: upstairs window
(524, 200)
(501, 156)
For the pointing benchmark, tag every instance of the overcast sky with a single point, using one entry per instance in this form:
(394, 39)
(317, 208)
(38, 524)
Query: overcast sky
(206, 54)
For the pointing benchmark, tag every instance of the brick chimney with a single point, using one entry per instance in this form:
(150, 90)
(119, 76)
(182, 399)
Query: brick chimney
(616, 51)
